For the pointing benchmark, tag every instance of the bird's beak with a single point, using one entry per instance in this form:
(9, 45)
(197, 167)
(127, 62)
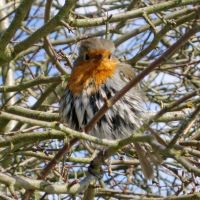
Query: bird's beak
(100, 57)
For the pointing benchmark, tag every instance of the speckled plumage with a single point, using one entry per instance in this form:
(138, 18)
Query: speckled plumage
(77, 107)
(119, 121)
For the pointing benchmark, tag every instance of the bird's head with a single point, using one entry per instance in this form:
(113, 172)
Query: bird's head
(93, 66)
(95, 49)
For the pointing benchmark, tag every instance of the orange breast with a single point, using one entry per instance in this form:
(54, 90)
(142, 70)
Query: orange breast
(92, 73)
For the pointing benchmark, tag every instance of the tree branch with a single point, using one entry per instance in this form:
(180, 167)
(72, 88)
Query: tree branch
(167, 54)
(31, 83)
(21, 13)
(130, 14)
(45, 186)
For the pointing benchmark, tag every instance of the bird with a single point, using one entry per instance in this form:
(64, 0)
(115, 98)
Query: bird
(98, 75)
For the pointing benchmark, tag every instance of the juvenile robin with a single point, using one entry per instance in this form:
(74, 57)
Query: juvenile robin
(97, 75)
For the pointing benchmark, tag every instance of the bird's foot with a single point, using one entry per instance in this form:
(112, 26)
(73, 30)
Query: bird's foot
(96, 171)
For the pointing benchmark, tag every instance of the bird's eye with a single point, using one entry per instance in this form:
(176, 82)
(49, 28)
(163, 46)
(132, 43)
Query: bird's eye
(100, 56)
(87, 57)
(109, 56)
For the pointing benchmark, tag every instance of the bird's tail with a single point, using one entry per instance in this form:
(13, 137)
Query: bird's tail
(145, 161)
